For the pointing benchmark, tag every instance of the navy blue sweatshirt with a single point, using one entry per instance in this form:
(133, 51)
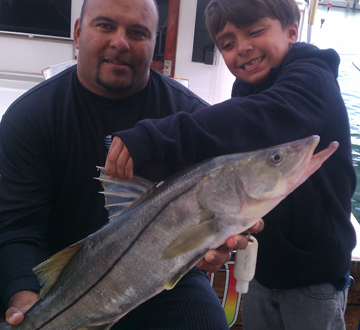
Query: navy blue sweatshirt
(308, 237)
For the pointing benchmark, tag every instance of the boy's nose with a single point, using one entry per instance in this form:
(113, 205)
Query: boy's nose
(244, 48)
(119, 41)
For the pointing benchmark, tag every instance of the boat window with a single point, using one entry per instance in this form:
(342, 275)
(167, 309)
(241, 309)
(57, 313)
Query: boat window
(159, 52)
(38, 17)
(203, 47)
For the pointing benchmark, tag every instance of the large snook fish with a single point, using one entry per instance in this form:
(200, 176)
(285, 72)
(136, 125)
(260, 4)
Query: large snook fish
(164, 229)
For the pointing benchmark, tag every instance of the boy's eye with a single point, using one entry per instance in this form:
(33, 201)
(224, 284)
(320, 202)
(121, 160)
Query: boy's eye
(227, 45)
(256, 32)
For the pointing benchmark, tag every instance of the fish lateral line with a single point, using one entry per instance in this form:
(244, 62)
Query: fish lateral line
(102, 277)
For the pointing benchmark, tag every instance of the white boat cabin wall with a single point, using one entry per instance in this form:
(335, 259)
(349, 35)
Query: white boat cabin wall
(24, 55)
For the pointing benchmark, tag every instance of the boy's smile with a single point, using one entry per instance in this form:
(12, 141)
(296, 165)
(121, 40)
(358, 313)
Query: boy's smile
(253, 63)
(251, 52)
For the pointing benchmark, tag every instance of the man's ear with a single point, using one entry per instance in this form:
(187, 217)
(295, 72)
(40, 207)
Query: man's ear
(77, 33)
(293, 33)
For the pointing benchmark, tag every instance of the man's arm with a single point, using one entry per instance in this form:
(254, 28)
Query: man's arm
(25, 197)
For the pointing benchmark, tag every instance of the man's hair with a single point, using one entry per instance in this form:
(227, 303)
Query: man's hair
(82, 11)
(243, 13)
(84, 6)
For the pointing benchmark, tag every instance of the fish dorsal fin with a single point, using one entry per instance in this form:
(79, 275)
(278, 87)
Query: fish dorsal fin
(192, 237)
(98, 327)
(49, 271)
(119, 195)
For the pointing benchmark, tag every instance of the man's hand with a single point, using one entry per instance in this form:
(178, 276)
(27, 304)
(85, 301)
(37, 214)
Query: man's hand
(119, 164)
(214, 259)
(18, 304)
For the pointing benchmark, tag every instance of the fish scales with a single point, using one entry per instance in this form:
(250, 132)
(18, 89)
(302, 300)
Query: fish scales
(165, 232)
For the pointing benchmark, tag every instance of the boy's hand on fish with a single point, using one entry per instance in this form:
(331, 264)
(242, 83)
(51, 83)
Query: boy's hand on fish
(19, 303)
(119, 164)
(214, 259)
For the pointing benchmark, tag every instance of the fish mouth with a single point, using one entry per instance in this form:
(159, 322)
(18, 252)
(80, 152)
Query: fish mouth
(311, 163)
(317, 160)
(252, 63)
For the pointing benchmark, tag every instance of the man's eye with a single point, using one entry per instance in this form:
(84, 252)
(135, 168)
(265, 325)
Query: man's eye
(138, 33)
(104, 26)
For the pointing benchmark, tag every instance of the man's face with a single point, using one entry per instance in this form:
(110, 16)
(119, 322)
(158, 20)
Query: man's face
(116, 41)
(251, 52)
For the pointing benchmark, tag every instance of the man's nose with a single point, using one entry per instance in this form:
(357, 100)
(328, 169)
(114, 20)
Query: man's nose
(119, 41)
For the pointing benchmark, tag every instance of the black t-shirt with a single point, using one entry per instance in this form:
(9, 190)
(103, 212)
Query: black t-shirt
(51, 140)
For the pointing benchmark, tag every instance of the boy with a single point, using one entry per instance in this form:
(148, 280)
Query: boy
(284, 91)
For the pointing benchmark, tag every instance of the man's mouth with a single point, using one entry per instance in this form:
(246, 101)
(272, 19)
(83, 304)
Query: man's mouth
(252, 63)
(117, 62)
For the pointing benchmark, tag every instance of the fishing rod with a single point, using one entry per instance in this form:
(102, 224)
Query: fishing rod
(328, 8)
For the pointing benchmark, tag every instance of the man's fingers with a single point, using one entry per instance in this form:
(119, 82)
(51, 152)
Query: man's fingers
(19, 303)
(14, 316)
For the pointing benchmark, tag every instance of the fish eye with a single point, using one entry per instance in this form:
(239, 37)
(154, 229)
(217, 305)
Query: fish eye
(276, 157)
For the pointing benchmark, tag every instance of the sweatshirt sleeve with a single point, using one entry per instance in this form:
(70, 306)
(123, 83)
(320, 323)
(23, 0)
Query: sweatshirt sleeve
(295, 106)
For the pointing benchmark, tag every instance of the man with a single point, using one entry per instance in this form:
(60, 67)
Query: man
(53, 137)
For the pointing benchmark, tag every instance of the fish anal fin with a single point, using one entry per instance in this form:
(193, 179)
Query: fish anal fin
(190, 239)
(99, 327)
(176, 278)
(49, 271)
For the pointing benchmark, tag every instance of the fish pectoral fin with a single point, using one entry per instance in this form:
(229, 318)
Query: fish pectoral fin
(98, 327)
(190, 239)
(49, 271)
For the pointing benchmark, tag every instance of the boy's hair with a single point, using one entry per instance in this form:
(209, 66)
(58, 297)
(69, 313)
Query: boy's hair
(243, 13)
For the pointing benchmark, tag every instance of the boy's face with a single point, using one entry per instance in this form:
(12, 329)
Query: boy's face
(251, 52)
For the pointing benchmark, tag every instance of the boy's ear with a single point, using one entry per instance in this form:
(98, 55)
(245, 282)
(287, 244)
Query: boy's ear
(293, 33)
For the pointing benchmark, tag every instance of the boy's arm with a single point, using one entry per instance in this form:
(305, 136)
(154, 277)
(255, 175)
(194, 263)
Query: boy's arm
(296, 106)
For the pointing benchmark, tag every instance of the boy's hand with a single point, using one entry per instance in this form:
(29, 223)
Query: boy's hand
(214, 259)
(19, 303)
(119, 164)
